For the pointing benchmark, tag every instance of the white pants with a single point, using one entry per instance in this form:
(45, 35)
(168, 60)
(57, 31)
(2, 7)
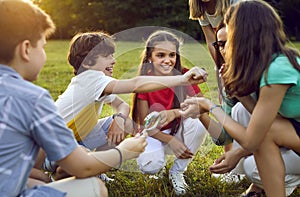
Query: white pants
(153, 159)
(247, 165)
(78, 187)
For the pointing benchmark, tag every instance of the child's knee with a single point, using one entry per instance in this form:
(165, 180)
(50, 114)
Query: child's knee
(201, 132)
(152, 166)
(197, 131)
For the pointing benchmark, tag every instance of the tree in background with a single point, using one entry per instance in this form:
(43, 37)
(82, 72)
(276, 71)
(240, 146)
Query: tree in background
(290, 13)
(72, 16)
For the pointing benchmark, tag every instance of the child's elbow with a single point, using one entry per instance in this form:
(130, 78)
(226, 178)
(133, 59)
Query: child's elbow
(251, 147)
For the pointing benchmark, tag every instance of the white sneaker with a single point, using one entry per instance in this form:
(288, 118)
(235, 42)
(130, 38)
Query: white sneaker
(105, 178)
(229, 177)
(178, 182)
(289, 190)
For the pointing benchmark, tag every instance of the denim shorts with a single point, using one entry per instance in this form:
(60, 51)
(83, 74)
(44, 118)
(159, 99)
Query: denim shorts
(97, 137)
(296, 125)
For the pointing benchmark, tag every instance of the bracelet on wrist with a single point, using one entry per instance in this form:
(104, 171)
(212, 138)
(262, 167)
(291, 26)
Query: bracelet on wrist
(121, 157)
(213, 107)
(120, 115)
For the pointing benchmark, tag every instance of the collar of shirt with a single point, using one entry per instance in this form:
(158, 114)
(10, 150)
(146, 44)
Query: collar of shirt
(6, 70)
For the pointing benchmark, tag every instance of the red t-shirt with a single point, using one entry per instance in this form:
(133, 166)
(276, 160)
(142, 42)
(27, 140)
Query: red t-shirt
(163, 99)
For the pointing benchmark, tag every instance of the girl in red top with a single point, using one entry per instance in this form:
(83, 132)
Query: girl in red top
(183, 137)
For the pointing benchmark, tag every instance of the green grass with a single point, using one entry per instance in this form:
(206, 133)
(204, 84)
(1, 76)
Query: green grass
(129, 181)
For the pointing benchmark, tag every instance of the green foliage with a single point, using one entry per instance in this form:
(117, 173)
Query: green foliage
(56, 73)
(72, 16)
(129, 181)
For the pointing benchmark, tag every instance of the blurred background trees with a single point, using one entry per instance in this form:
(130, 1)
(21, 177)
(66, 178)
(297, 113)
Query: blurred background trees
(71, 16)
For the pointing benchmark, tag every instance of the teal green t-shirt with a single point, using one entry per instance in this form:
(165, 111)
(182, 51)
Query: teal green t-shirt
(281, 71)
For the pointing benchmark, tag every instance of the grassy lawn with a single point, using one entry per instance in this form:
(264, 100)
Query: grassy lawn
(128, 181)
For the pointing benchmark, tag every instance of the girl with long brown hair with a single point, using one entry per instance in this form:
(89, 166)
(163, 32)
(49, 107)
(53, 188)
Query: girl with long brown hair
(259, 60)
(161, 57)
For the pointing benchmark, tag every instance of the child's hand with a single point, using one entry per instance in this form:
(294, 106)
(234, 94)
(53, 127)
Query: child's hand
(179, 149)
(116, 132)
(167, 116)
(195, 75)
(194, 106)
(225, 163)
(132, 147)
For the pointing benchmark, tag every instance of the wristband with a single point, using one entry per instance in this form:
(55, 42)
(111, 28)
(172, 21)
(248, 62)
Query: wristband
(120, 115)
(213, 107)
(121, 157)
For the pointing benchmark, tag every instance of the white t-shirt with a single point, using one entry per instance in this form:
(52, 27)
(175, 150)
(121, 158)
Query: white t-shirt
(212, 19)
(81, 103)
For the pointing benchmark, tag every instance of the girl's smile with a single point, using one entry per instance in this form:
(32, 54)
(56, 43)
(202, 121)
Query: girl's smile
(163, 58)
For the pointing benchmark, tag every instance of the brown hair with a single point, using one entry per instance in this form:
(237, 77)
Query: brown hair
(219, 58)
(255, 33)
(197, 8)
(146, 68)
(85, 48)
(19, 21)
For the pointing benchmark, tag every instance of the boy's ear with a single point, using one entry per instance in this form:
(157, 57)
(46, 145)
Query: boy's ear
(24, 49)
(86, 66)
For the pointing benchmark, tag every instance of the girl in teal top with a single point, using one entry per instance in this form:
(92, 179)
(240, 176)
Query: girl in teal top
(258, 60)
(281, 71)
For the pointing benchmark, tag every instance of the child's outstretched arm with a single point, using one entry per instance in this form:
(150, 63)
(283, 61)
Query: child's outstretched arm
(102, 161)
(140, 84)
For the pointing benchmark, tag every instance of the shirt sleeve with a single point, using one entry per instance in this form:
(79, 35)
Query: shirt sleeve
(110, 98)
(193, 90)
(50, 131)
(142, 96)
(92, 83)
(223, 139)
(203, 22)
(281, 71)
